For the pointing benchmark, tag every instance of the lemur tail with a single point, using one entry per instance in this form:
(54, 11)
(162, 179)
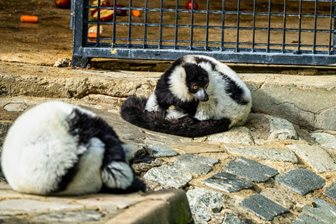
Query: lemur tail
(133, 111)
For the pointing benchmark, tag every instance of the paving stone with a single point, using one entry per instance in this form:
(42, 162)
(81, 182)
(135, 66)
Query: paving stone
(234, 219)
(325, 139)
(283, 155)
(331, 191)
(250, 169)
(263, 207)
(204, 202)
(168, 176)
(194, 164)
(308, 153)
(321, 213)
(301, 181)
(227, 182)
(237, 135)
(159, 150)
(197, 159)
(281, 129)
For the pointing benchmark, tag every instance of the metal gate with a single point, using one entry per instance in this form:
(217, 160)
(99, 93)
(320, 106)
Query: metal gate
(296, 32)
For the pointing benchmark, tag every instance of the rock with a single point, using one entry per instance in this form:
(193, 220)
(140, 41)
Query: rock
(194, 164)
(263, 207)
(301, 181)
(159, 150)
(227, 182)
(250, 169)
(331, 191)
(237, 135)
(15, 107)
(62, 62)
(204, 202)
(233, 219)
(321, 212)
(168, 176)
(266, 153)
(308, 153)
(195, 159)
(325, 139)
(281, 129)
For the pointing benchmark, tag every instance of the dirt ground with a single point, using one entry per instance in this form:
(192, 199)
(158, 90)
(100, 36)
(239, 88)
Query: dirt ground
(51, 39)
(41, 43)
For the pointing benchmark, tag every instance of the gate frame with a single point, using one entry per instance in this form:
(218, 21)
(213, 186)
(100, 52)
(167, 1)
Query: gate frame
(81, 54)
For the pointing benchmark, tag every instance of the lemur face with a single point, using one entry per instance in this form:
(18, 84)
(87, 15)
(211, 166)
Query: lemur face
(197, 81)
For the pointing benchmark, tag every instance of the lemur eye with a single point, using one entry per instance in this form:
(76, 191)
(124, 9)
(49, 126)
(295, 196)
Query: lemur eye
(195, 87)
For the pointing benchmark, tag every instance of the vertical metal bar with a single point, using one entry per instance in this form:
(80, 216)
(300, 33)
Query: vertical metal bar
(160, 25)
(223, 25)
(145, 25)
(191, 25)
(334, 31)
(284, 20)
(114, 29)
(207, 27)
(98, 23)
(176, 23)
(299, 29)
(269, 25)
(79, 33)
(315, 24)
(254, 25)
(331, 15)
(238, 24)
(129, 38)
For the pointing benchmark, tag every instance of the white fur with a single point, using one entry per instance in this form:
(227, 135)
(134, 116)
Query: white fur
(38, 151)
(151, 104)
(177, 84)
(173, 114)
(122, 175)
(129, 150)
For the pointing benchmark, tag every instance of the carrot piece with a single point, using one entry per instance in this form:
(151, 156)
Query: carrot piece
(92, 35)
(29, 19)
(136, 13)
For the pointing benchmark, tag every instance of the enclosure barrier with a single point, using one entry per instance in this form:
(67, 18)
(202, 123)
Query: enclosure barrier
(294, 32)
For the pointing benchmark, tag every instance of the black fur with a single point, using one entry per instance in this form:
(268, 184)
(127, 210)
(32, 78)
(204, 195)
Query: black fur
(133, 111)
(235, 91)
(199, 60)
(165, 98)
(84, 127)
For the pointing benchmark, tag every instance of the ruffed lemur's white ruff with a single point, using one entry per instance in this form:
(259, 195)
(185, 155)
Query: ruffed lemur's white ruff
(54, 146)
(220, 104)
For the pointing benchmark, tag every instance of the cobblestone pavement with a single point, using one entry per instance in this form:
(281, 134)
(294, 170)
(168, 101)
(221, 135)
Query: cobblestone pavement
(268, 171)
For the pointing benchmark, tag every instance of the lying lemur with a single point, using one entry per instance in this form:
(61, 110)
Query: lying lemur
(57, 148)
(197, 95)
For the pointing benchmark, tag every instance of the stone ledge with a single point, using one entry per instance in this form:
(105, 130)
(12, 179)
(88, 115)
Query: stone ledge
(308, 101)
(169, 206)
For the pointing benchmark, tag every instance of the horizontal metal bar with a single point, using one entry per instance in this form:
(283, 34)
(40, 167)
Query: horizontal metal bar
(247, 57)
(213, 12)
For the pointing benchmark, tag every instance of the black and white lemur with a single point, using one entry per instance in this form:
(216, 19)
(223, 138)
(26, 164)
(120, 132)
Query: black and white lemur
(196, 96)
(57, 148)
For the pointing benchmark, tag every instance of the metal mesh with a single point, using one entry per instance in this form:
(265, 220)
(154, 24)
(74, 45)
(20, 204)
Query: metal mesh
(252, 31)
